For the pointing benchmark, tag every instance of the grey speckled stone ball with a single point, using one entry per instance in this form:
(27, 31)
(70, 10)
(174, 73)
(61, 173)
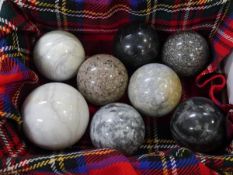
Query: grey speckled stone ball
(117, 126)
(154, 89)
(102, 79)
(186, 53)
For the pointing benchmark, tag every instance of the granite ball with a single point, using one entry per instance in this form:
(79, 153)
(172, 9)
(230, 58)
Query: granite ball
(199, 125)
(118, 126)
(136, 45)
(58, 55)
(154, 89)
(186, 53)
(102, 79)
(55, 116)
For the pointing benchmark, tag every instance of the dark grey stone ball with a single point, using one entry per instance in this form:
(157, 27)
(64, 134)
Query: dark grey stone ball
(198, 124)
(186, 53)
(136, 44)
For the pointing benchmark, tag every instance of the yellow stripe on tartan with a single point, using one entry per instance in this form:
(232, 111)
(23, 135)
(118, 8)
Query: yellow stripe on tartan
(39, 165)
(174, 6)
(11, 116)
(64, 16)
(44, 4)
(16, 45)
(164, 163)
(14, 38)
(12, 169)
(148, 7)
(61, 164)
(229, 159)
(151, 141)
(219, 19)
(16, 95)
(18, 54)
(17, 119)
(45, 163)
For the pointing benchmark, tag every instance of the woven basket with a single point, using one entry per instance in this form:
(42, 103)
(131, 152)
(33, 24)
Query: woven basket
(95, 23)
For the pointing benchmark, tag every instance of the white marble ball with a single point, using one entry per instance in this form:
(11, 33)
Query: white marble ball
(58, 55)
(55, 116)
(229, 75)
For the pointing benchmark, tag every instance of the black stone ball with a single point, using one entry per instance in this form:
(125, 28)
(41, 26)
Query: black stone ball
(199, 125)
(136, 45)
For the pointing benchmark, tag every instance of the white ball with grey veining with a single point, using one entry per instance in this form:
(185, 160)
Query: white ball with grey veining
(186, 53)
(58, 55)
(118, 126)
(55, 116)
(154, 89)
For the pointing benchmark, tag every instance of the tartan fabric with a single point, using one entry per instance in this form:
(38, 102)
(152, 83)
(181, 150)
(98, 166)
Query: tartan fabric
(22, 22)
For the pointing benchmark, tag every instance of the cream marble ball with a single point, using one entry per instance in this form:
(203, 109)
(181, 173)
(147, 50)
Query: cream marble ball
(55, 116)
(58, 55)
(154, 89)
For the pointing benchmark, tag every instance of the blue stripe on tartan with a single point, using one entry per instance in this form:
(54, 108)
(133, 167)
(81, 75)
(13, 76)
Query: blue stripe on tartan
(2, 43)
(7, 107)
(80, 169)
(185, 162)
(179, 163)
(81, 165)
(18, 67)
(78, 1)
(150, 165)
(226, 25)
(133, 3)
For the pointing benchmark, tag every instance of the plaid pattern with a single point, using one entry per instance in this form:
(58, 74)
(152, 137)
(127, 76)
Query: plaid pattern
(95, 23)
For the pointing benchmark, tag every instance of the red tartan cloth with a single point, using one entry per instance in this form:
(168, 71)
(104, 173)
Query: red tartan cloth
(95, 23)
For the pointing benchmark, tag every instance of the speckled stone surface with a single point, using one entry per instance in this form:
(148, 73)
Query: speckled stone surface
(199, 125)
(117, 126)
(186, 53)
(154, 89)
(136, 44)
(102, 79)
(58, 55)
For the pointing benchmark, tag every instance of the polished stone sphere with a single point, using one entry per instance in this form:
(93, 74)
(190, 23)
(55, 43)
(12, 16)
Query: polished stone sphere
(154, 89)
(58, 55)
(199, 125)
(102, 79)
(55, 116)
(186, 53)
(228, 69)
(118, 126)
(136, 45)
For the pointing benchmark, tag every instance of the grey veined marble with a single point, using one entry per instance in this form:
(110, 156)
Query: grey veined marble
(186, 53)
(154, 89)
(117, 126)
(199, 125)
